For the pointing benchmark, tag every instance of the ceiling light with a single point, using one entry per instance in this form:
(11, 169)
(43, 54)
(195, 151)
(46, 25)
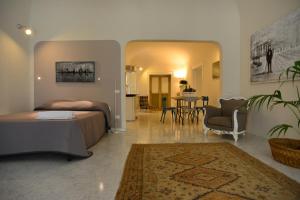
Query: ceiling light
(27, 30)
(141, 69)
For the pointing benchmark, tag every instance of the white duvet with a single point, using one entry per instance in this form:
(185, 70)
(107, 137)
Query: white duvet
(55, 115)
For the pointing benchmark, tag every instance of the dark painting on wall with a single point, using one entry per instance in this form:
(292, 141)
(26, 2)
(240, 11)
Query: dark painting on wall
(75, 71)
(275, 48)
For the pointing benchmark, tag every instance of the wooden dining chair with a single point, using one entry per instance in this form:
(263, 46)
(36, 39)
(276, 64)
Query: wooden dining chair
(144, 103)
(165, 108)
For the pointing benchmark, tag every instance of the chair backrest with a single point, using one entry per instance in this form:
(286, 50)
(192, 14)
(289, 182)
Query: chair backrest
(204, 100)
(144, 104)
(229, 105)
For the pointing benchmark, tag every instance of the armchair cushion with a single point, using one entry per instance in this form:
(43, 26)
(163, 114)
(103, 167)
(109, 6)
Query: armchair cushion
(220, 121)
(228, 106)
(211, 111)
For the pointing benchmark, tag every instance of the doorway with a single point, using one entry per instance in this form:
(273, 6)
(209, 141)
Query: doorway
(159, 87)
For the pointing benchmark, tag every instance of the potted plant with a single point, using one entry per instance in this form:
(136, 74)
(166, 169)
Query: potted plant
(189, 92)
(182, 86)
(284, 150)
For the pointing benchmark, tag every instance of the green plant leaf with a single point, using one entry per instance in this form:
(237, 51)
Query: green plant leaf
(279, 129)
(295, 104)
(271, 100)
(294, 71)
(258, 101)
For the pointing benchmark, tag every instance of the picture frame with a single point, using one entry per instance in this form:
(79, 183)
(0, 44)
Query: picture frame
(78, 71)
(216, 70)
(275, 48)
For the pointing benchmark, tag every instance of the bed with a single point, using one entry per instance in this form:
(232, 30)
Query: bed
(24, 133)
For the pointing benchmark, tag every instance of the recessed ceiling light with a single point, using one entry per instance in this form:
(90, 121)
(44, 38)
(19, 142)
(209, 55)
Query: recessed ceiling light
(28, 31)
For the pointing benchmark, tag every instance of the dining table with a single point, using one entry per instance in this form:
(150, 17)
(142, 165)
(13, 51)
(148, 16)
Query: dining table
(186, 105)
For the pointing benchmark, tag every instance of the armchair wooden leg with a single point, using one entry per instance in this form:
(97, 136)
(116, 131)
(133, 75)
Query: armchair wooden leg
(235, 137)
(205, 130)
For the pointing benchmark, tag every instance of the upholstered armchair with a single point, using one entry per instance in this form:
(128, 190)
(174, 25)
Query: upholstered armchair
(231, 118)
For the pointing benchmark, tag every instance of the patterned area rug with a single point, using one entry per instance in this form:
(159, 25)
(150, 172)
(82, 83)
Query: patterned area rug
(205, 171)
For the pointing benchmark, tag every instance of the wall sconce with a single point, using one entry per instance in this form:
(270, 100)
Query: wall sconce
(101, 186)
(181, 73)
(141, 69)
(39, 78)
(27, 30)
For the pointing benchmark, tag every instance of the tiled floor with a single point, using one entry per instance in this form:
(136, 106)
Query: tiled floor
(49, 176)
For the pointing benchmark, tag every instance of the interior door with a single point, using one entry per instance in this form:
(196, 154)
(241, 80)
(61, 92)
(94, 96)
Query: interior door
(160, 86)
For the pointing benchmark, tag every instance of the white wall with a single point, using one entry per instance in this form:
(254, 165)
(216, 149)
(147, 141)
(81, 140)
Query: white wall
(107, 58)
(205, 57)
(255, 15)
(14, 62)
(142, 19)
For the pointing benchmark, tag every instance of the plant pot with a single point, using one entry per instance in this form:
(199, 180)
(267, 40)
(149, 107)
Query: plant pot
(286, 151)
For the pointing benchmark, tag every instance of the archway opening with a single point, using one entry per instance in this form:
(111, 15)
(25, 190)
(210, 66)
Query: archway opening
(155, 69)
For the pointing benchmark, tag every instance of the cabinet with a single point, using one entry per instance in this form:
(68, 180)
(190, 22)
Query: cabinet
(130, 107)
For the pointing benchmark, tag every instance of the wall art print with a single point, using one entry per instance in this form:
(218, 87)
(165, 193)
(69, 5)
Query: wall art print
(83, 71)
(275, 48)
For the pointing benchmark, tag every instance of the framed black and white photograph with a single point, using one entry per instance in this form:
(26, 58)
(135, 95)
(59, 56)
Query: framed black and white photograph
(275, 48)
(75, 71)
